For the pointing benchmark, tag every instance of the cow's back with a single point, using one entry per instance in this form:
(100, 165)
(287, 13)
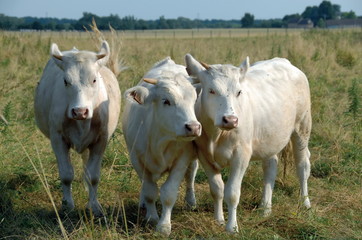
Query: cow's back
(276, 81)
(279, 100)
(114, 96)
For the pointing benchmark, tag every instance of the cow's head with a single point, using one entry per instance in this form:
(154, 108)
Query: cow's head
(82, 81)
(221, 90)
(172, 101)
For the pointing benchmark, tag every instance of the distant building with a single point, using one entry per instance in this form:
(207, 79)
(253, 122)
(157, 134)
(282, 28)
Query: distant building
(300, 23)
(344, 23)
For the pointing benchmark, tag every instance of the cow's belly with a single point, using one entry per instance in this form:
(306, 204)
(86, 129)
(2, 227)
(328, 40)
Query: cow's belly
(270, 144)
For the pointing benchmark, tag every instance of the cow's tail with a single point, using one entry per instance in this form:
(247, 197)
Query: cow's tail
(115, 63)
(286, 158)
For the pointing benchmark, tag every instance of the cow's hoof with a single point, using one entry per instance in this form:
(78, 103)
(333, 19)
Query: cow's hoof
(152, 221)
(190, 200)
(221, 222)
(306, 203)
(267, 212)
(96, 209)
(164, 229)
(230, 228)
(191, 206)
(67, 206)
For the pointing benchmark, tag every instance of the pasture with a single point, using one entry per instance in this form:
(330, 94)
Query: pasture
(30, 192)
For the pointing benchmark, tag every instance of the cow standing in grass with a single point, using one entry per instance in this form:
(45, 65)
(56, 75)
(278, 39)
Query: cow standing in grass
(247, 113)
(159, 124)
(77, 105)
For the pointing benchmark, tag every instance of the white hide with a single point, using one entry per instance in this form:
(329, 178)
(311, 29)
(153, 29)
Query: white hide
(77, 104)
(159, 124)
(247, 113)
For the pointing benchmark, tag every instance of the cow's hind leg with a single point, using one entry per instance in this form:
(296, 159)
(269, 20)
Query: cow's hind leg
(92, 171)
(149, 189)
(270, 173)
(190, 198)
(66, 172)
(301, 155)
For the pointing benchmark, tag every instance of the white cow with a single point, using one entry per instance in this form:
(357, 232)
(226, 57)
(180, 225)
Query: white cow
(77, 104)
(159, 124)
(247, 113)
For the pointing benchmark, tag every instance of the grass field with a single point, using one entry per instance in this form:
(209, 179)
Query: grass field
(30, 189)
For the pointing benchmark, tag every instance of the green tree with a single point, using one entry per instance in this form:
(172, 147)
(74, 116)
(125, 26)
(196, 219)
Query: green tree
(37, 25)
(349, 15)
(312, 13)
(328, 11)
(247, 21)
(288, 18)
(162, 23)
(86, 20)
(321, 23)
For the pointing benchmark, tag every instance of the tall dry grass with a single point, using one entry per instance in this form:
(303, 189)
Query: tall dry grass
(332, 63)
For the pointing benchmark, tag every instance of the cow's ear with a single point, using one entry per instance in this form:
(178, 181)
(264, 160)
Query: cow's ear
(193, 67)
(103, 54)
(56, 55)
(138, 94)
(244, 67)
(197, 87)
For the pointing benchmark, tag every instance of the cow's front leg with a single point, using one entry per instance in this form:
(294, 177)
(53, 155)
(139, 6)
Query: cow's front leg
(66, 172)
(92, 170)
(149, 194)
(216, 185)
(238, 166)
(168, 193)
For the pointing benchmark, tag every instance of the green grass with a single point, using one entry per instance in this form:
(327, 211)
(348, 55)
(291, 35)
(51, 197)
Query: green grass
(332, 63)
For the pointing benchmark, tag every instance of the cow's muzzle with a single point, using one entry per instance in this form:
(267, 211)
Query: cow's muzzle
(193, 129)
(80, 113)
(229, 122)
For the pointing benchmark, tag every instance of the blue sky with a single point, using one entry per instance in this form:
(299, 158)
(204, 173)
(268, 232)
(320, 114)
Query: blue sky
(151, 10)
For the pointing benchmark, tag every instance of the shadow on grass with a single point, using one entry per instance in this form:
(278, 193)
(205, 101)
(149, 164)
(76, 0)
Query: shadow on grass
(19, 222)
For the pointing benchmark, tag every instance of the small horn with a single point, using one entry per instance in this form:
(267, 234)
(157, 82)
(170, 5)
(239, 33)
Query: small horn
(60, 58)
(205, 65)
(100, 56)
(150, 80)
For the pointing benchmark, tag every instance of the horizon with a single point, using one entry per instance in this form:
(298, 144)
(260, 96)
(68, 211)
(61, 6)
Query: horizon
(199, 9)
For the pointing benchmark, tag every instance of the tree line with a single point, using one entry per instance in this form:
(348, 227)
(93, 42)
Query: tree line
(318, 14)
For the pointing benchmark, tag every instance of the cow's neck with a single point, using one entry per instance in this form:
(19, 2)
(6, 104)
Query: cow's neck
(79, 133)
(162, 148)
(159, 140)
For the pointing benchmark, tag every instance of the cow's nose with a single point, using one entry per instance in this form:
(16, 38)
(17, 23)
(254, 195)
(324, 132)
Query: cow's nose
(230, 122)
(80, 113)
(193, 129)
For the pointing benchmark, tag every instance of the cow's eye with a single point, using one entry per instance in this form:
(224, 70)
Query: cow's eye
(211, 91)
(166, 102)
(65, 82)
(95, 80)
(238, 94)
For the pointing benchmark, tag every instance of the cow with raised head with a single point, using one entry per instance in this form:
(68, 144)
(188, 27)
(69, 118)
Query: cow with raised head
(159, 124)
(77, 105)
(247, 113)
